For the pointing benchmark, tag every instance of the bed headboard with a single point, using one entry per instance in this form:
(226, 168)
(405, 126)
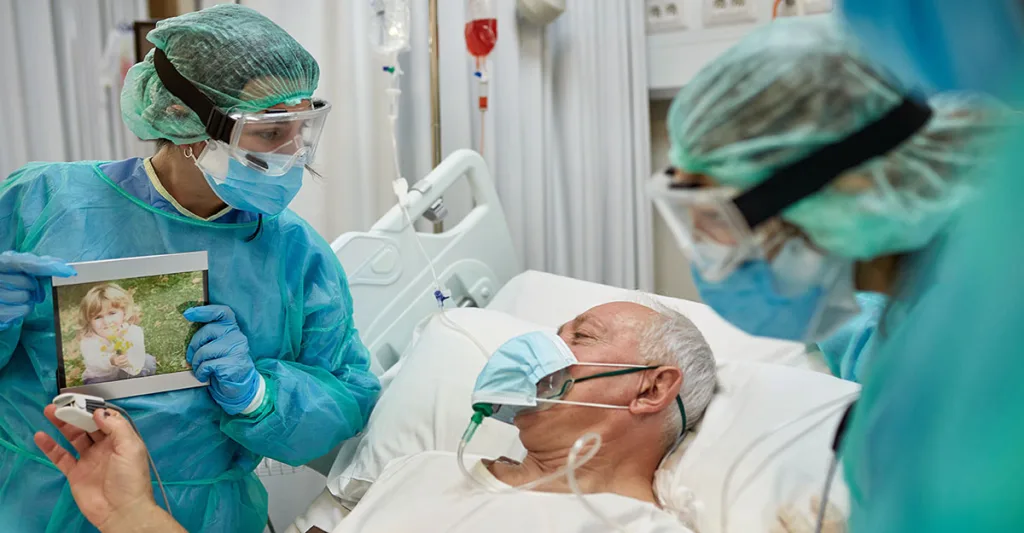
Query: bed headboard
(390, 280)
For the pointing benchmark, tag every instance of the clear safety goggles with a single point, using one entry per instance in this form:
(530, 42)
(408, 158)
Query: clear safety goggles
(717, 239)
(276, 140)
(271, 141)
(708, 226)
(722, 227)
(553, 388)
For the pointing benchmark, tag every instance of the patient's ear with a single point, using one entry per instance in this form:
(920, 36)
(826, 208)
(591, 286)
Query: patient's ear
(658, 390)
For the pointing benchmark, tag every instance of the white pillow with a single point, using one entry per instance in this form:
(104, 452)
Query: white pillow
(426, 405)
(753, 399)
(551, 300)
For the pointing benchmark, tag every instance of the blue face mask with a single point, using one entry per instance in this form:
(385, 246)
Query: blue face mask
(530, 372)
(751, 300)
(508, 381)
(248, 189)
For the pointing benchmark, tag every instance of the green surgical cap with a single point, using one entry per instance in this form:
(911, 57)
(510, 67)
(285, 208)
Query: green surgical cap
(236, 56)
(798, 84)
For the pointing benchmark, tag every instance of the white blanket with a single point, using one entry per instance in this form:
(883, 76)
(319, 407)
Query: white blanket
(427, 492)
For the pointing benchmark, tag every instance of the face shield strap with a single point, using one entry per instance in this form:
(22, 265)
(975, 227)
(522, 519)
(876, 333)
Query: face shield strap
(218, 124)
(792, 183)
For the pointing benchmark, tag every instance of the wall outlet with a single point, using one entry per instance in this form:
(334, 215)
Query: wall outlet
(728, 12)
(665, 16)
(790, 8)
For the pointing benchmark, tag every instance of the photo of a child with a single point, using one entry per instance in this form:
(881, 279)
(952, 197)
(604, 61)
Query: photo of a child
(112, 344)
(119, 324)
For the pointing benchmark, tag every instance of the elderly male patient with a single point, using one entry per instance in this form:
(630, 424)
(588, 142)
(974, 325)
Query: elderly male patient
(427, 492)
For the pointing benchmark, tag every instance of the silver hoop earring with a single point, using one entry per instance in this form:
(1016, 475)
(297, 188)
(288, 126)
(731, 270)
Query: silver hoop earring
(188, 152)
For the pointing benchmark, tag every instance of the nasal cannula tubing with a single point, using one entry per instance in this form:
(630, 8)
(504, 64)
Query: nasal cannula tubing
(573, 463)
(727, 503)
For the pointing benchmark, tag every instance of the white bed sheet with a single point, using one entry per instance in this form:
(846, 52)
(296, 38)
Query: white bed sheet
(550, 300)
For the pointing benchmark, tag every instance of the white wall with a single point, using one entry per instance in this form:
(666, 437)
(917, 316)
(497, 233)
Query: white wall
(671, 269)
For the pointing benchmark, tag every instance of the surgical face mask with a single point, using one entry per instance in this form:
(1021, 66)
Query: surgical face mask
(245, 188)
(799, 296)
(530, 373)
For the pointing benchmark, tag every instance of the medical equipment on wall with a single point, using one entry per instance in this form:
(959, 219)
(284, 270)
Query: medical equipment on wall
(481, 36)
(76, 409)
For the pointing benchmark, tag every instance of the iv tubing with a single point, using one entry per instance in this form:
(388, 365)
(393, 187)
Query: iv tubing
(395, 92)
(574, 462)
(557, 474)
(824, 494)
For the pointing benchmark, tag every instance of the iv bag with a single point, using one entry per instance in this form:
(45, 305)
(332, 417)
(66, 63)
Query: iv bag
(389, 26)
(481, 27)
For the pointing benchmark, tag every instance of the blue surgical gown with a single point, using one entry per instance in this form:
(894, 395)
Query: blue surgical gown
(848, 350)
(291, 299)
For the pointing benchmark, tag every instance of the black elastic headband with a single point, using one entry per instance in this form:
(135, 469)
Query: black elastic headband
(218, 124)
(794, 182)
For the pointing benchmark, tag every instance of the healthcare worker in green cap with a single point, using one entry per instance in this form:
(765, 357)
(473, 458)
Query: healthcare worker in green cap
(809, 178)
(229, 96)
(809, 172)
(935, 443)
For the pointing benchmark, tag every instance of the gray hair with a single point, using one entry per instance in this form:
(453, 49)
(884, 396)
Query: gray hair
(671, 339)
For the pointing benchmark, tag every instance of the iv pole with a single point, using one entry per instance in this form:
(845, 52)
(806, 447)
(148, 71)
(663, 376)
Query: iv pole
(435, 95)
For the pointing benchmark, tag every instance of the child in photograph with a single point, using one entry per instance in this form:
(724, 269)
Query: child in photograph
(111, 342)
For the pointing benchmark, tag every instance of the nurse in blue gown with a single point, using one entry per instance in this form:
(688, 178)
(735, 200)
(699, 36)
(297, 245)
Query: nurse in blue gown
(228, 96)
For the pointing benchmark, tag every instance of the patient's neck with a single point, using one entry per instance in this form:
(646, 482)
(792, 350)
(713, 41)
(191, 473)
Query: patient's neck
(622, 466)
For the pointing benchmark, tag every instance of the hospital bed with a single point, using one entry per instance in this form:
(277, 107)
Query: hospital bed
(392, 284)
(392, 287)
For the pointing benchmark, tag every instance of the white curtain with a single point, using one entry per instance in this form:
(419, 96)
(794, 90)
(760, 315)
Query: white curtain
(567, 132)
(355, 156)
(63, 63)
(567, 135)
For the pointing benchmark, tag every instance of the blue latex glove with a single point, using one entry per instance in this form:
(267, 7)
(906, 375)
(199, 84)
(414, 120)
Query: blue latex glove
(219, 354)
(21, 283)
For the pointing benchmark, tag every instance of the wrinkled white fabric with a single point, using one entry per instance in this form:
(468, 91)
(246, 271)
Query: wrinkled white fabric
(426, 492)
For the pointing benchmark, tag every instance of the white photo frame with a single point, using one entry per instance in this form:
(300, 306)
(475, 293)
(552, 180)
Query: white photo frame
(114, 313)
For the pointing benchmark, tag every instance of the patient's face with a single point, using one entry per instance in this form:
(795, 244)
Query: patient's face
(607, 333)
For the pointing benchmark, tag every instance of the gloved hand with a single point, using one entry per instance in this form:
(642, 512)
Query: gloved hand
(21, 283)
(795, 518)
(219, 354)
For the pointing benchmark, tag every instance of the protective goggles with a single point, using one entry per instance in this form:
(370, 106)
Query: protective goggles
(722, 227)
(272, 141)
(553, 387)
